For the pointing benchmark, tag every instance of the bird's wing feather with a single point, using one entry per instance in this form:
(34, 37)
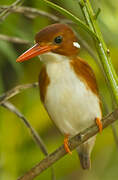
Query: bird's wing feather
(84, 71)
(43, 83)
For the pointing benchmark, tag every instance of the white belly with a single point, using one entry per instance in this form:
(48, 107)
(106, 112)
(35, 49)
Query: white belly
(70, 104)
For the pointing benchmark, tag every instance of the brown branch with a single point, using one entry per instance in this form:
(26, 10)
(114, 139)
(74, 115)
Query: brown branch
(34, 134)
(16, 90)
(14, 39)
(73, 143)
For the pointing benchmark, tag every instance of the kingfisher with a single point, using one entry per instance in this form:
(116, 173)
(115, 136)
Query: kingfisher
(68, 88)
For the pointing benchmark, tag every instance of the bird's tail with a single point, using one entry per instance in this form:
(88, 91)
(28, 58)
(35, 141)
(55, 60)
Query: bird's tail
(85, 160)
(84, 152)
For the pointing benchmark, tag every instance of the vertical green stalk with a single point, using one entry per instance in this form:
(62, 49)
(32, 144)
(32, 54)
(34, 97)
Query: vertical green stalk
(101, 47)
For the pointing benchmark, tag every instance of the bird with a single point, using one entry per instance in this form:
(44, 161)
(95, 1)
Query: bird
(68, 87)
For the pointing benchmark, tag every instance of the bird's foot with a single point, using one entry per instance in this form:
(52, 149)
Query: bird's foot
(99, 124)
(66, 146)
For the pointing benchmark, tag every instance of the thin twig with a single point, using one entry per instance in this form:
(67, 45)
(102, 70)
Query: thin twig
(6, 11)
(33, 13)
(16, 90)
(14, 39)
(73, 143)
(12, 108)
(34, 134)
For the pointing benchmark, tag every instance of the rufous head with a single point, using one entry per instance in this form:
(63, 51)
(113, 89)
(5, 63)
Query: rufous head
(56, 38)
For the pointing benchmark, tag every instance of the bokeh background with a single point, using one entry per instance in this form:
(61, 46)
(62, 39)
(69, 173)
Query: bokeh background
(18, 152)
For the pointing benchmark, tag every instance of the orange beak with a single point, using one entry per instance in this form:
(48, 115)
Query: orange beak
(35, 51)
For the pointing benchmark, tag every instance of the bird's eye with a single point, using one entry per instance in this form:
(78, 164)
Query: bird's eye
(58, 39)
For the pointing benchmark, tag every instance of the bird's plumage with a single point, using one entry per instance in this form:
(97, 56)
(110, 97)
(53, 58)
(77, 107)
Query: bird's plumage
(70, 97)
(68, 87)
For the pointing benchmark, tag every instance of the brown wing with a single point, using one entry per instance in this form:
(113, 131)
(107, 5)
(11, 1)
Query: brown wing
(43, 83)
(85, 72)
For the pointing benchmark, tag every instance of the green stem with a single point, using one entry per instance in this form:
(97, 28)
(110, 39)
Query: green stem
(101, 47)
(72, 17)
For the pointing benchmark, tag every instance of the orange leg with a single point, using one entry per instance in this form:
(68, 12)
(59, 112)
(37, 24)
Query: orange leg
(66, 147)
(99, 124)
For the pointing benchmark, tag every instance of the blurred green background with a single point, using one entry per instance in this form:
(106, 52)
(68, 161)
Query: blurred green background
(18, 152)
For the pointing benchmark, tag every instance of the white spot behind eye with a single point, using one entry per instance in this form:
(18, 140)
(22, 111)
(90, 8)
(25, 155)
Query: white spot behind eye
(76, 44)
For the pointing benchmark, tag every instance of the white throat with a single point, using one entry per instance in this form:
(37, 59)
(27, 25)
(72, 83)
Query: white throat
(51, 57)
